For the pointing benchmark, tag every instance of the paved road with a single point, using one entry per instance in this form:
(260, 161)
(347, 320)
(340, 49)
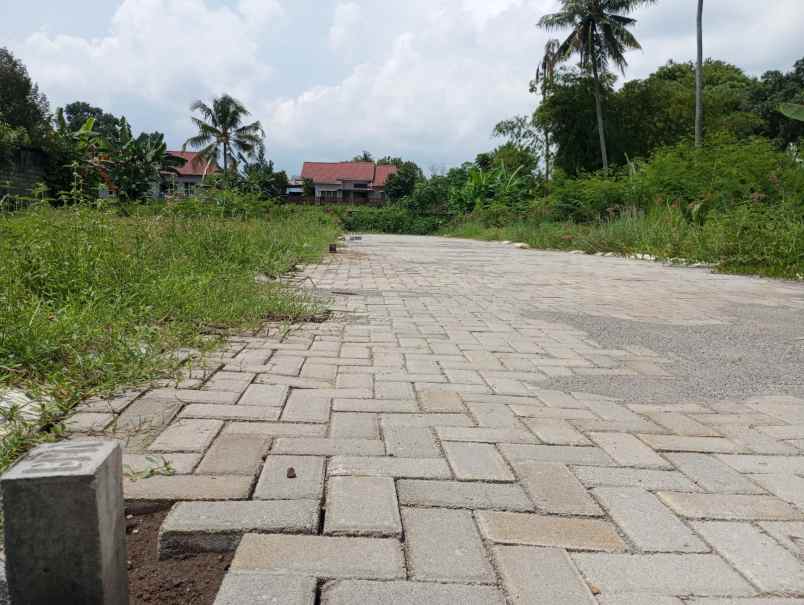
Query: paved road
(478, 424)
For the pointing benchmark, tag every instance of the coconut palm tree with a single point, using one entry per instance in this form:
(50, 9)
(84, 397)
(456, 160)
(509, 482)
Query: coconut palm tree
(699, 80)
(221, 130)
(545, 75)
(599, 37)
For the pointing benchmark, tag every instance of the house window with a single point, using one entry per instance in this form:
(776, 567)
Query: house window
(188, 189)
(329, 195)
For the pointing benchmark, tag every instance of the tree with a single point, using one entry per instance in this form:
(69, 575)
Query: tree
(260, 177)
(699, 80)
(21, 103)
(75, 115)
(773, 89)
(363, 157)
(599, 36)
(403, 182)
(134, 165)
(545, 77)
(221, 131)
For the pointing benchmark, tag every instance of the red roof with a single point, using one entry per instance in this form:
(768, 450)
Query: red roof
(335, 173)
(193, 167)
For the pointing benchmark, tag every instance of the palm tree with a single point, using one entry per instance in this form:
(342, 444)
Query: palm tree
(699, 80)
(599, 36)
(545, 75)
(221, 128)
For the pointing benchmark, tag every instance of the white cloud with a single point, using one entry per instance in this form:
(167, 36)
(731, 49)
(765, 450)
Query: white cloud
(344, 25)
(427, 79)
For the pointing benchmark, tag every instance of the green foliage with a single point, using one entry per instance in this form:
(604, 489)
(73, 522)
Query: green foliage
(403, 182)
(793, 111)
(12, 139)
(90, 300)
(21, 103)
(222, 133)
(388, 220)
(773, 89)
(74, 115)
(260, 177)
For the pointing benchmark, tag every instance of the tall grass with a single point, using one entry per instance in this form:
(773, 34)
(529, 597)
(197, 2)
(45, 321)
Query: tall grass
(90, 300)
(747, 238)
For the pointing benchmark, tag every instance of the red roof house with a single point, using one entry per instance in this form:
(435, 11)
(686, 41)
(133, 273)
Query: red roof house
(186, 178)
(348, 181)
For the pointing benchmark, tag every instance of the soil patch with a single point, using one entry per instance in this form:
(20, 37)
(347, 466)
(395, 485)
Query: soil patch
(193, 578)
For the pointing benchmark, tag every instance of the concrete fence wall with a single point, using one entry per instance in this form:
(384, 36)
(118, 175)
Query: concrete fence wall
(26, 169)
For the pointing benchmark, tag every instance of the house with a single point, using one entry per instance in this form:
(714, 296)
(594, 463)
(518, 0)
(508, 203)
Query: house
(348, 182)
(187, 177)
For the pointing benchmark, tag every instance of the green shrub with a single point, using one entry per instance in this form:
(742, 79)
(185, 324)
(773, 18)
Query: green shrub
(389, 220)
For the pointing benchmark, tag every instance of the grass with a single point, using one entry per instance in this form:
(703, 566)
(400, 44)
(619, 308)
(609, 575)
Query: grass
(748, 239)
(91, 300)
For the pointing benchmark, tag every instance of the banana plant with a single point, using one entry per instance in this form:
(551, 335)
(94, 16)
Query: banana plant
(794, 111)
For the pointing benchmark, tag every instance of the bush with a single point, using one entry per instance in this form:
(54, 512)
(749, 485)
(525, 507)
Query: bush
(389, 220)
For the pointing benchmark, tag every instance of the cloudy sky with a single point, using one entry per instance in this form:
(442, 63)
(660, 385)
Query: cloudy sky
(424, 79)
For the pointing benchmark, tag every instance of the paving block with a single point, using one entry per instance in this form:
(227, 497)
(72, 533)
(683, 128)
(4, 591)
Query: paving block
(541, 575)
(274, 483)
(444, 546)
(268, 395)
(427, 420)
(662, 574)
(411, 442)
(441, 401)
(787, 487)
(235, 455)
(730, 507)
(680, 443)
(180, 464)
(88, 422)
(375, 405)
(258, 588)
(188, 487)
(275, 429)
(563, 454)
(367, 592)
(218, 526)
(554, 489)
(712, 474)
(477, 462)
(757, 556)
(394, 390)
(542, 530)
(321, 556)
(458, 494)
(388, 466)
(788, 534)
(354, 425)
(639, 599)
(194, 396)
(485, 435)
(145, 415)
(362, 506)
(230, 412)
(187, 436)
(304, 405)
(627, 450)
(311, 446)
(646, 521)
(765, 465)
(556, 431)
(650, 479)
(494, 415)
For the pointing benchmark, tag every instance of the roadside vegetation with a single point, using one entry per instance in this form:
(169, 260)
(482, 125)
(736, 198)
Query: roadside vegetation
(602, 168)
(103, 282)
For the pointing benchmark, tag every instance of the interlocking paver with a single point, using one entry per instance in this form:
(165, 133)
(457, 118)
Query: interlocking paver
(218, 526)
(444, 546)
(548, 530)
(460, 494)
(362, 506)
(463, 378)
(367, 592)
(554, 489)
(757, 556)
(541, 575)
(663, 574)
(646, 521)
(321, 556)
(477, 462)
(730, 506)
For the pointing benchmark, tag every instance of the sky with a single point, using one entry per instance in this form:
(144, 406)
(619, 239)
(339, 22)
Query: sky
(423, 79)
